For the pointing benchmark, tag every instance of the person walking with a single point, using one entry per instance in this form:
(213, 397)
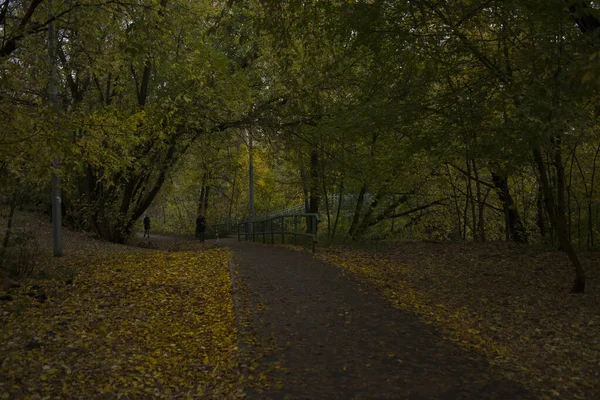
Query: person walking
(200, 227)
(147, 226)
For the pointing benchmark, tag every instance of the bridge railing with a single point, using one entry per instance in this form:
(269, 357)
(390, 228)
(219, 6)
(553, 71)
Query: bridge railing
(294, 225)
(223, 229)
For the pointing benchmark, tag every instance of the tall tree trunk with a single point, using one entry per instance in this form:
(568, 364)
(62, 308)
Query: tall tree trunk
(541, 219)
(313, 206)
(480, 204)
(363, 190)
(201, 200)
(327, 210)
(456, 205)
(516, 228)
(203, 194)
(305, 190)
(590, 224)
(579, 246)
(471, 199)
(230, 211)
(557, 212)
(206, 196)
(568, 203)
(9, 223)
(367, 219)
(590, 197)
(124, 228)
(465, 214)
(358, 209)
(339, 208)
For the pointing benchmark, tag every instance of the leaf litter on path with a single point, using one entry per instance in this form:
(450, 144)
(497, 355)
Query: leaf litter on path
(509, 303)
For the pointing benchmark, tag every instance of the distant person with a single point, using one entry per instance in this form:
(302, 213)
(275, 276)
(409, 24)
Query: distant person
(147, 226)
(200, 227)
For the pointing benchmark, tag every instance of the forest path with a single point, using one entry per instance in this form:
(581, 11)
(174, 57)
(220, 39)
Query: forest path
(316, 333)
(177, 243)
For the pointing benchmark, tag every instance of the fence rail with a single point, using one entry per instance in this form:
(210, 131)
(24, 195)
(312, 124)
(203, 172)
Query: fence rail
(224, 229)
(281, 226)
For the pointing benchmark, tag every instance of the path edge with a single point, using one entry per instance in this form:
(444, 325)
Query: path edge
(243, 347)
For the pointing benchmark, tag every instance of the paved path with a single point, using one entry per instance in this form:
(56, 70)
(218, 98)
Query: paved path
(333, 338)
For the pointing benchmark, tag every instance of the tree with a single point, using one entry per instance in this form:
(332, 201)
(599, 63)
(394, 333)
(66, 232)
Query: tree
(151, 101)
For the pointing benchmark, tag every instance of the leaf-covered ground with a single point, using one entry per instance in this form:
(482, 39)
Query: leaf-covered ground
(134, 322)
(124, 322)
(510, 303)
(322, 334)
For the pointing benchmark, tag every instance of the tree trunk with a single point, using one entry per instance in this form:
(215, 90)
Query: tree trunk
(471, 200)
(339, 208)
(206, 196)
(590, 197)
(480, 203)
(327, 210)
(516, 229)
(123, 228)
(9, 223)
(590, 224)
(358, 210)
(557, 212)
(541, 219)
(568, 203)
(313, 206)
(466, 209)
(368, 217)
(456, 205)
(304, 189)
(201, 200)
(230, 211)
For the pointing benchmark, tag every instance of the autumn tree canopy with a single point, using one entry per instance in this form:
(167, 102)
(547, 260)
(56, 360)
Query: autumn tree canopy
(464, 120)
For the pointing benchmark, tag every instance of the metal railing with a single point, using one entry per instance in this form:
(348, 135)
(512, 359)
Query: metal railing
(296, 225)
(223, 229)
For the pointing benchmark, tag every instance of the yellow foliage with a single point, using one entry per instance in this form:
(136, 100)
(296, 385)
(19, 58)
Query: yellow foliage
(133, 325)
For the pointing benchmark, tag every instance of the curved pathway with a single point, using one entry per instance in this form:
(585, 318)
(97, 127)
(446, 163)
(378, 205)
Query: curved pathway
(317, 333)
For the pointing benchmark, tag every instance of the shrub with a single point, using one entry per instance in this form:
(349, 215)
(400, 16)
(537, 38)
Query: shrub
(18, 259)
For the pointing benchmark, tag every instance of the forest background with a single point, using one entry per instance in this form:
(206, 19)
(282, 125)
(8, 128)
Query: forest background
(462, 120)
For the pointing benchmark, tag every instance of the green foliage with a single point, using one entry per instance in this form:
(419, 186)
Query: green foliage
(399, 101)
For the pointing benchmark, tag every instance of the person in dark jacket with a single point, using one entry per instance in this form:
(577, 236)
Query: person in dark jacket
(147, 226)
(200, 227)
